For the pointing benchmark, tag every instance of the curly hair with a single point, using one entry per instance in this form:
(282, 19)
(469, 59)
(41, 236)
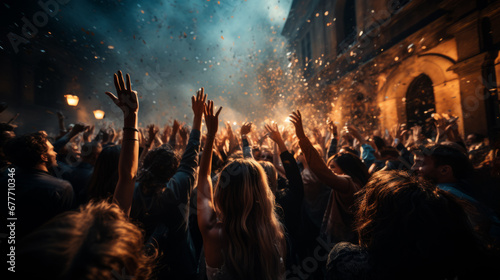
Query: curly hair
(26, 150)
(95, 242)
(412, 226)
(160, 164)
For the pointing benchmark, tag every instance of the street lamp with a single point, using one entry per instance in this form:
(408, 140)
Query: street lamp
(72, 99)
(99, 114)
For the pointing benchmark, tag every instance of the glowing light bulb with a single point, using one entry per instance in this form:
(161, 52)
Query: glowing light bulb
(72, 99)
(99, 114)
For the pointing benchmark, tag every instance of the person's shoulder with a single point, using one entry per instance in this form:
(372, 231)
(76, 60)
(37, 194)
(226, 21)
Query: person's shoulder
(52, 181)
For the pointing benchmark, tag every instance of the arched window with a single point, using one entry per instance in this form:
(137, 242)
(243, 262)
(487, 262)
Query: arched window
(420, 102)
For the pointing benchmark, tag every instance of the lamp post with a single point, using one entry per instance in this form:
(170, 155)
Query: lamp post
(99, 114)
(72, 100)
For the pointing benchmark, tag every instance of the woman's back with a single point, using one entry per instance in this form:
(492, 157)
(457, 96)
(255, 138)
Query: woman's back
(252, 237)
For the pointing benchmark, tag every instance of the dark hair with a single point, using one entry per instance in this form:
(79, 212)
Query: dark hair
(352, 166)
(235, 155)
(477, 137)
(349, 149)
(26, 150)
(160, 164)
(272, 174)
(389, 151)
(95, 242)
(413, 227)
(91, 150)
(452, 155)
(379, 142)
(105, 176)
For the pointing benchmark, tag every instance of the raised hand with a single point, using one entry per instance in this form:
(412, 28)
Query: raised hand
(60, 116)
(87, 134)
(129, 155)
(78, 127)
(275, 135)
(296, 119)
(229, 130)
(211, 119)
(166, 133)
(152, 131)
(127, 98)
(184, 133)
(273, 132)
(417, 130)
(355, 133)
(331, 127)
(198, 102)
(246, 128)
(198, 106)
(175, 127)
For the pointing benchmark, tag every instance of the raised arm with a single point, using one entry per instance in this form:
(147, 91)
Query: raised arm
(332, 148)
(129, 155)
(60, 121)
(61, 142)
(246, 128)
(179, 187)
(173, 137)
(314, 159)
(279, 149)
(206, 210)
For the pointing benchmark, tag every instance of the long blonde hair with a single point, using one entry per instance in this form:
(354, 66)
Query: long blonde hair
(254, 238)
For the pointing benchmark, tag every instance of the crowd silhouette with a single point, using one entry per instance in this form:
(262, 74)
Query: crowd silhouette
(282, 201)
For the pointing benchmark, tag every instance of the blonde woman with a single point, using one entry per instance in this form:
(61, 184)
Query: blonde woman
(242, 236)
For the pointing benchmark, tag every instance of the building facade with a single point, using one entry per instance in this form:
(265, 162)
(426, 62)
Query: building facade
(383, 62)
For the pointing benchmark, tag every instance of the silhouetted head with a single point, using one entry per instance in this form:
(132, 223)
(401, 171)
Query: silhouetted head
(445, 163)
(346, 163)
(410, 226)
(105, 176)
(159, 165)
(272, 174)
(30, 150)
(95, 242)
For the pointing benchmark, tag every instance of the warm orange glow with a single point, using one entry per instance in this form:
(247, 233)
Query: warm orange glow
(99, 114)
(72, 99)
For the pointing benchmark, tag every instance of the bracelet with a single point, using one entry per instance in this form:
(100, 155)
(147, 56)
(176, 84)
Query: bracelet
(130, 139)
(131, 128)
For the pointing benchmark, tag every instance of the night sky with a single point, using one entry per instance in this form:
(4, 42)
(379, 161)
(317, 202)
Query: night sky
(170, 48)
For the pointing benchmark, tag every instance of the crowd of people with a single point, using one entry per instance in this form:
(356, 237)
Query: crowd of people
(283, 201)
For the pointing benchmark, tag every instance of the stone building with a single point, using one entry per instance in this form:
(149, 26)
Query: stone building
(383, 62)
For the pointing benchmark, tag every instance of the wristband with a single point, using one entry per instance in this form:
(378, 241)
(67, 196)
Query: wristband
(131, 128)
